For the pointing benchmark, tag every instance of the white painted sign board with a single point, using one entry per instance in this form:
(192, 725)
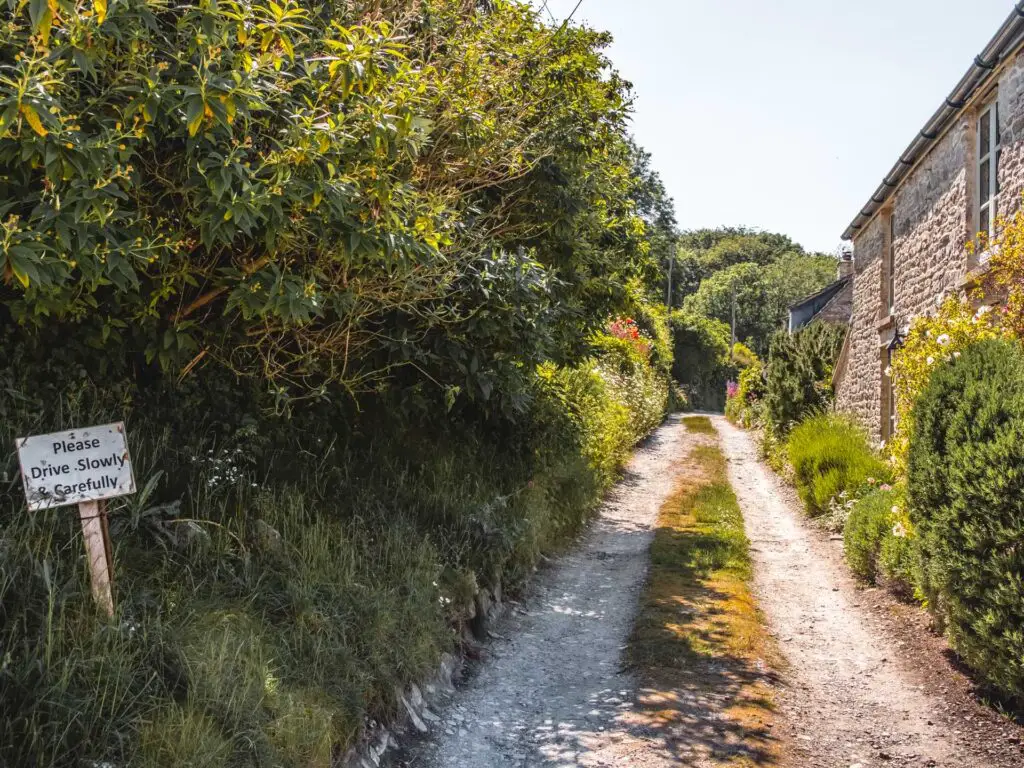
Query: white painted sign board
(77, 466)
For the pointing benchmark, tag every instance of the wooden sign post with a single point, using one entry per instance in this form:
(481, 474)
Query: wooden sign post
(83, 467)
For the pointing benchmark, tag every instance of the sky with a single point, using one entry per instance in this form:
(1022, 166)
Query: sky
(784, 115)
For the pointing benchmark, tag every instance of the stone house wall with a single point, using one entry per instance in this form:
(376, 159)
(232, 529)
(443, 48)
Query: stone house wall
(933, 216)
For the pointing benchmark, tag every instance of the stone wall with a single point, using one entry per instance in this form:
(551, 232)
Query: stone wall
(933, 213)
(859, 383)
(1011, 114)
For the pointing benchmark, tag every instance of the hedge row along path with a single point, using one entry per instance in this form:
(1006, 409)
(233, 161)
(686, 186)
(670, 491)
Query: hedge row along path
(552, 690)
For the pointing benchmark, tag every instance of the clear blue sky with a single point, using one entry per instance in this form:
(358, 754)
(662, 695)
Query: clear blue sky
(785, 114)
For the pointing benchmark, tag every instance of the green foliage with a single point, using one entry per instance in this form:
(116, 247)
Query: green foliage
(701, 359)
(764, 282)
(320, 196)
(346, 271)
(744, 408)
(830, 456)
(278, 578)
(870, 523)
(932, 338)
(181, 737)
(743, 356)
(706, 251)
(799, 373)
(653, 321)
(966, 494)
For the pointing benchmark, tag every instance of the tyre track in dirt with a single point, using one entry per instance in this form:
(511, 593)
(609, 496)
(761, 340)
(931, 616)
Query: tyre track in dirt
(553, 693)
(852, 697)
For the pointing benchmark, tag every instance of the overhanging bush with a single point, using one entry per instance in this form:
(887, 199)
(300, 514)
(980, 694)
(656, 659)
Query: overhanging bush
(313, 194)
(831, 456)
(966, 493)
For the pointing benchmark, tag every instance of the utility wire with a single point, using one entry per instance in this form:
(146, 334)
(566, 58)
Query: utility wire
(578, 4)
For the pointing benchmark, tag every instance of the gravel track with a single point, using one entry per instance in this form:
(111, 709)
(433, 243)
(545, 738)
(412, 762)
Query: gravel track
(861, 690)
(853, 695)
(553, 693)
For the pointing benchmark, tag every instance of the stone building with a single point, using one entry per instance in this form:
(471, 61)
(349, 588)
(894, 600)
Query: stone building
(965, 168)
(832, 304)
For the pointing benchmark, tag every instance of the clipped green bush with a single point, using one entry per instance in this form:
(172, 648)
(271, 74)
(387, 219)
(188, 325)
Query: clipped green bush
(798, 374)
(830, 455)
(966, 494)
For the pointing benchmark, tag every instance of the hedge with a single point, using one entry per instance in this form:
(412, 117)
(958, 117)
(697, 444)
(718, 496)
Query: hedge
(966, 493)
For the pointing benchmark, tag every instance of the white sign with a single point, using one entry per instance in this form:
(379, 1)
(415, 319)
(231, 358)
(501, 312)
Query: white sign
(77, 466)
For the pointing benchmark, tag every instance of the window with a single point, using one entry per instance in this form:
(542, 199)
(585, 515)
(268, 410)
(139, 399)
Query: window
(989, 152)
(890, 265)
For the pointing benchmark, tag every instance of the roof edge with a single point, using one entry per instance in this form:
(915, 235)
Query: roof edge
(836, 285)
(1007, 39)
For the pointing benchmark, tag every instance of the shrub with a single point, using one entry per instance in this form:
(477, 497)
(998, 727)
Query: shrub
(870, 522)
(831, 456)
(653, 323)
(966, 494)
(798, 374)
(701, 359)
(743, 408)
(330, 197)
(270, 603)
(931, 340)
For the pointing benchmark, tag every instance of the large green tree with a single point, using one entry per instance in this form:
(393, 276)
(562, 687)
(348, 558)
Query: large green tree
(319, 194)
(763, 293)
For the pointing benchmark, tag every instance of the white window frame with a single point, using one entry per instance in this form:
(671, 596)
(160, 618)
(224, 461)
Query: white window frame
(992, 157)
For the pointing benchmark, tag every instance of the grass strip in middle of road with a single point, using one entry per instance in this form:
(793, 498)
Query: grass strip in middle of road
(699, 646)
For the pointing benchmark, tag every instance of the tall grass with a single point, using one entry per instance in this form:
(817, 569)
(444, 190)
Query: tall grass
(830, 456)
(276, 579)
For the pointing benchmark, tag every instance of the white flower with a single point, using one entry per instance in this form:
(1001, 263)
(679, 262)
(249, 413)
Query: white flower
(930, 360)
(895, 509)
(928, 333)
(899, 531)
(943, 340)
(956, 355)
(888, 371)
(983, 310)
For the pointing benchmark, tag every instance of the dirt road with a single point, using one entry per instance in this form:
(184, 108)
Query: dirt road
(554, 693)
(853, 696)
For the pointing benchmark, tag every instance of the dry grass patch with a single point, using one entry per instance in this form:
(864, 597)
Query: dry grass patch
(700, 424)
(699, 646)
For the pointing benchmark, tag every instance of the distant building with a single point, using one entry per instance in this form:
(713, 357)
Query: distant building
(964, 168)
(832, 304)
